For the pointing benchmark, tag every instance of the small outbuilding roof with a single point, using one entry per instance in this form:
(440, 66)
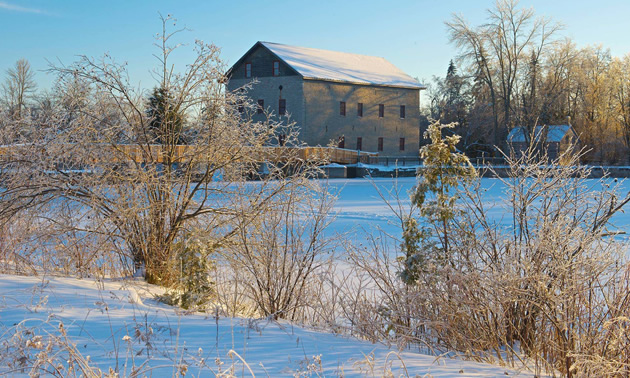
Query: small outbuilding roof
(555, 133)
(316, 64)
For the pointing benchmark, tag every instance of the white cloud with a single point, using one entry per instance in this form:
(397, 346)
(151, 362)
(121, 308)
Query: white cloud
(17, 8)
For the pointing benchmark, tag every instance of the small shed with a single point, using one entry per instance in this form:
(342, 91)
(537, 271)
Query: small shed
(556, 139)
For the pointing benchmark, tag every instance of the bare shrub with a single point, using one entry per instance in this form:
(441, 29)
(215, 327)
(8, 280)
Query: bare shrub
(44, 349)
(275, 257)
(544, 287)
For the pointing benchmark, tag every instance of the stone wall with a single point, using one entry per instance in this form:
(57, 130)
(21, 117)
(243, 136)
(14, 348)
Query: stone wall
(268, 90)
(325, 123)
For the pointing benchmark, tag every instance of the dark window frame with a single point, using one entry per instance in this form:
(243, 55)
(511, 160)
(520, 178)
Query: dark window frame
(359, 109)
(261, 106)
(342, 108)
(359, 143)
(342, 142)
(275, 68)
(402, 111)
(381, 110)
(248, 69)
(401, 144)
(282, 106)
(380, 144)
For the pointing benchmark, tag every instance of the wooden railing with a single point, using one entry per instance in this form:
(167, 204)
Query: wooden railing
(156, 153)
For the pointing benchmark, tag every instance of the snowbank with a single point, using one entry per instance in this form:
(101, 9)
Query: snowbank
(118, 324)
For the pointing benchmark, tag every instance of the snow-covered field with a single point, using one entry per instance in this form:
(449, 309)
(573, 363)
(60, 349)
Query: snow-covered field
(359, 204)
(119, 324)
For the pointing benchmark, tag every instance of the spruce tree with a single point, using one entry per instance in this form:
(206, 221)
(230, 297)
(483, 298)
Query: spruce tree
(426, 241)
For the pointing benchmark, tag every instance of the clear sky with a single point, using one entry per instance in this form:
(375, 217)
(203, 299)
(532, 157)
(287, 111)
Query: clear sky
(410, 34)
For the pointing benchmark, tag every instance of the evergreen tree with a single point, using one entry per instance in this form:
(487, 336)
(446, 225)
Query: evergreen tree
(435, 197)
(456, 98)
(451, 102)
(165, 121)
(193, 287)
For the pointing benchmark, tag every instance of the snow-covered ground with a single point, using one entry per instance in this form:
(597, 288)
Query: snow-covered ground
(120, 325)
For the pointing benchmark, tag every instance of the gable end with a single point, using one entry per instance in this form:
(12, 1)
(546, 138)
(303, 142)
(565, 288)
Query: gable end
(262, 64)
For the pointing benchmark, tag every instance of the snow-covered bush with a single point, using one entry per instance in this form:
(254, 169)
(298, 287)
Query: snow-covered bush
(546, 286)
(275, 257)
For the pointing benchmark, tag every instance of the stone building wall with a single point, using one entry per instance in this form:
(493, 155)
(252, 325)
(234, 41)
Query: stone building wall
(325, 123)
(268, 90)
(314, 105)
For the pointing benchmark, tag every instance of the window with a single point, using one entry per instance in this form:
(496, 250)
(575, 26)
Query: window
(359, 143)
(402, 111)
(402, 143)
(380, 144)
(342, 142)
(248, 70)
(360, 109)
(261, 106)
(241, 108)
(342, 108)
(381, 110)
(276, 68)
(282, 106)
(282, 139)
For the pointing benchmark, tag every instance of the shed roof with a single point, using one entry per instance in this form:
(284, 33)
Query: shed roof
(555, 133)
(316, 64)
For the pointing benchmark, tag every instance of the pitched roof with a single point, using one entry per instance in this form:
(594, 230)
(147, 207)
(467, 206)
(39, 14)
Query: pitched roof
(319, 64)
(555, 133)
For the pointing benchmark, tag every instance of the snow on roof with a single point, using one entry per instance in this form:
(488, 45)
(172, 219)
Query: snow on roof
(555, 133)
(340, 66)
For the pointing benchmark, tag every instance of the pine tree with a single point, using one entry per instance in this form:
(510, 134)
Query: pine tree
(435, 197)
(165, 121)
(193, 288)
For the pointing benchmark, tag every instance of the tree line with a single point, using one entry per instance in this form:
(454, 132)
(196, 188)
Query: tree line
(517, 69)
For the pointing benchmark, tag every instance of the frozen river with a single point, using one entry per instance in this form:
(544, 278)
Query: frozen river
(359, 205)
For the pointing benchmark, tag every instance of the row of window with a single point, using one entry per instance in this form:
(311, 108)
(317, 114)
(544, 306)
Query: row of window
(342, 143)
(275, 71)
(381, 109)
(282, 106)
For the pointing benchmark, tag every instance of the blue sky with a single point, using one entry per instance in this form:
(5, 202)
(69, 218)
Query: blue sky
(410, 34)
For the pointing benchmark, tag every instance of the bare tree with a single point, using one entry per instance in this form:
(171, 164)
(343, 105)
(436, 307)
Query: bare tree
(498, 52)
(103, 158)
(18, 87)
(622, 95)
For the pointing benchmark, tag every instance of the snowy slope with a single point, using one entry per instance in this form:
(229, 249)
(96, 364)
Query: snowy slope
(118, 325)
